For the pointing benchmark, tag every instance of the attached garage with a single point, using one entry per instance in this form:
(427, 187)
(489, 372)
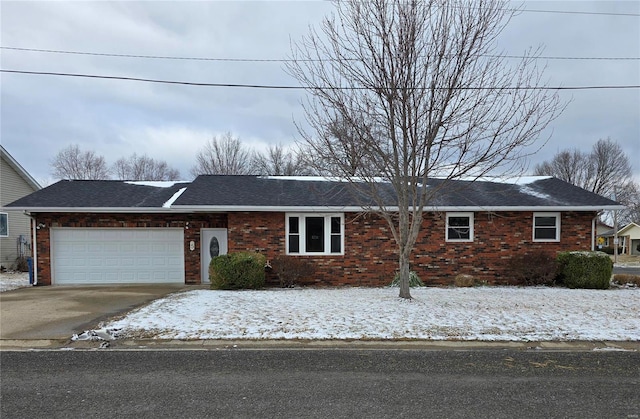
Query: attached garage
(86, 256)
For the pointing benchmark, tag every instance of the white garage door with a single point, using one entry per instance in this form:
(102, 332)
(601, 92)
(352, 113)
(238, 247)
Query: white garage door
(117, 256)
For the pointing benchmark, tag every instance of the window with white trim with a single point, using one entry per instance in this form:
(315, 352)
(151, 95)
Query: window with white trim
(459, 227)
(546, 226)
(315, 234)
(4, 224)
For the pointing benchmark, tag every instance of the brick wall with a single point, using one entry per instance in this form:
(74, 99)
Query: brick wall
(370, 257)
(192, 223)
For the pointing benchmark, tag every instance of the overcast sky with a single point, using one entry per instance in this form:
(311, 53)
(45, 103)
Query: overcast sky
(40, 115)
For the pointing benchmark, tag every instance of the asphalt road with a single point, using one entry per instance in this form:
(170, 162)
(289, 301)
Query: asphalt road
(320, 384)
(635, 270)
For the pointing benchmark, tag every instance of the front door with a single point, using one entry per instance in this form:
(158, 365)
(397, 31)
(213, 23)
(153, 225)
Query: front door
(213, 242)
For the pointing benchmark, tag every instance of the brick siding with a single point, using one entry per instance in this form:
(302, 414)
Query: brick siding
(369, 258)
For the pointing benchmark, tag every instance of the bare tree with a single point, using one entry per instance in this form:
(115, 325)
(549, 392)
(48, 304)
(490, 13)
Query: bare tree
(223, 155)
(277, 161)
(605, 170)
(73, 163)
(422, 91)
(339, 141)
(144, 168)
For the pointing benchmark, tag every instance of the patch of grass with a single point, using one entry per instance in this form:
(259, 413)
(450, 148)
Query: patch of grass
(626, 279)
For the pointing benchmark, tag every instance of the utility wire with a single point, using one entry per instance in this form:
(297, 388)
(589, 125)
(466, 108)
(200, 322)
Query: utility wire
(277, 60)
(285, 87)
(576, 12)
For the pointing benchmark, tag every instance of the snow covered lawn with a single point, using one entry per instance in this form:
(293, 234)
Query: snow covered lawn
(483, 313)
(11, 281)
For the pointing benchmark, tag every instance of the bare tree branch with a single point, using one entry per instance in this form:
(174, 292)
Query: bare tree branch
(144, 168)
(72, 163)
(432, 97)
(223, 155)
(277, 161)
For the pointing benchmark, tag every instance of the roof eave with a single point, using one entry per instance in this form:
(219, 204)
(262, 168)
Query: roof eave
(242, 208)
(100, 210)
(247, 208)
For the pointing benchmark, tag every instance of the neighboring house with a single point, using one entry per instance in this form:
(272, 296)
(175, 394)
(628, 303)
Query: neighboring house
(91, 232)
(628, 239)
(15, 231)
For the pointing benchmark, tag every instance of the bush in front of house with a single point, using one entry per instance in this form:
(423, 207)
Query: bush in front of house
(414, 280)
(234, 271)
(533, 268)
(609, 250)
(585, 269)
(290, 269)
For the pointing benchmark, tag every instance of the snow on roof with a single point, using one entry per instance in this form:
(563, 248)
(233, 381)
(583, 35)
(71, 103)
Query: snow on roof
(529, 191)
(173, 198)
(156, 183)
(517, 180)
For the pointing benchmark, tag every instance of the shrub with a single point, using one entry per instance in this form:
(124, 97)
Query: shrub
(242, 270)
(21, 264)
(464, 280)
(609, 250)
(585, 269)
(414, 280)
(534, 268)
(290, 269)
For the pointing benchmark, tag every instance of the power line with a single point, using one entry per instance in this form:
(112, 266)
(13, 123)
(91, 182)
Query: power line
(577, 12)
(285, 87)
(279, 60)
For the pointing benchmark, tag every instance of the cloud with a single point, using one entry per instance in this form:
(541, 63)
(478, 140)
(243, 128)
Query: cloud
(41, 115)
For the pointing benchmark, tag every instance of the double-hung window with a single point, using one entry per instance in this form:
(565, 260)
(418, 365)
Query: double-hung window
(546, 227)
(4, 224)
(315, 234)
(459, 227)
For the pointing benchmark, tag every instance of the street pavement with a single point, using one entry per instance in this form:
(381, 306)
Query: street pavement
(331, 383)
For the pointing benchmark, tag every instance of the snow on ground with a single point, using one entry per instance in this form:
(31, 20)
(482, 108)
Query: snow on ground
(482, 313)
(11, 281)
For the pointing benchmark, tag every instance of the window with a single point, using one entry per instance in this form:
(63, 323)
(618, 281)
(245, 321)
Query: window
(459, 227)
(546, 227)
(315, 234)
(4, 224)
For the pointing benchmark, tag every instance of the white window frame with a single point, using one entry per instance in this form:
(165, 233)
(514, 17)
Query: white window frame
(557, 227)
(302, 233)
(468, 215)
(5, 215)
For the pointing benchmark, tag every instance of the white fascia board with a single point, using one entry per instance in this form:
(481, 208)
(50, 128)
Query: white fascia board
(100, 210)
(231, 208)
(243, 208)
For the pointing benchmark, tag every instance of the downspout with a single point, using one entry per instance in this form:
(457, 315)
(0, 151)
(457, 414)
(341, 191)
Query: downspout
(34, 248)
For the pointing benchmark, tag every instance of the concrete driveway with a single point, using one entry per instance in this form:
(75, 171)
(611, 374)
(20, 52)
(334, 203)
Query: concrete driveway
(51, 312)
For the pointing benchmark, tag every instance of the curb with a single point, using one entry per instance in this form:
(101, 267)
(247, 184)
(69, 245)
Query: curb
(212, 345)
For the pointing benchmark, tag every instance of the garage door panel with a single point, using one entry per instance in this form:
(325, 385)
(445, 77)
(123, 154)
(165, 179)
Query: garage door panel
(93, 256)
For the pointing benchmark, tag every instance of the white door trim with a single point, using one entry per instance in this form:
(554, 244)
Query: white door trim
(205, 257)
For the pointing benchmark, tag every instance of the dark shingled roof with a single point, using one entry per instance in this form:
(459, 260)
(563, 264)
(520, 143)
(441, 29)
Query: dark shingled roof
(99, 194)
(219, 192)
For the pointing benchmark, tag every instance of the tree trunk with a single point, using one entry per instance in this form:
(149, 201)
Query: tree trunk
(404, 277)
